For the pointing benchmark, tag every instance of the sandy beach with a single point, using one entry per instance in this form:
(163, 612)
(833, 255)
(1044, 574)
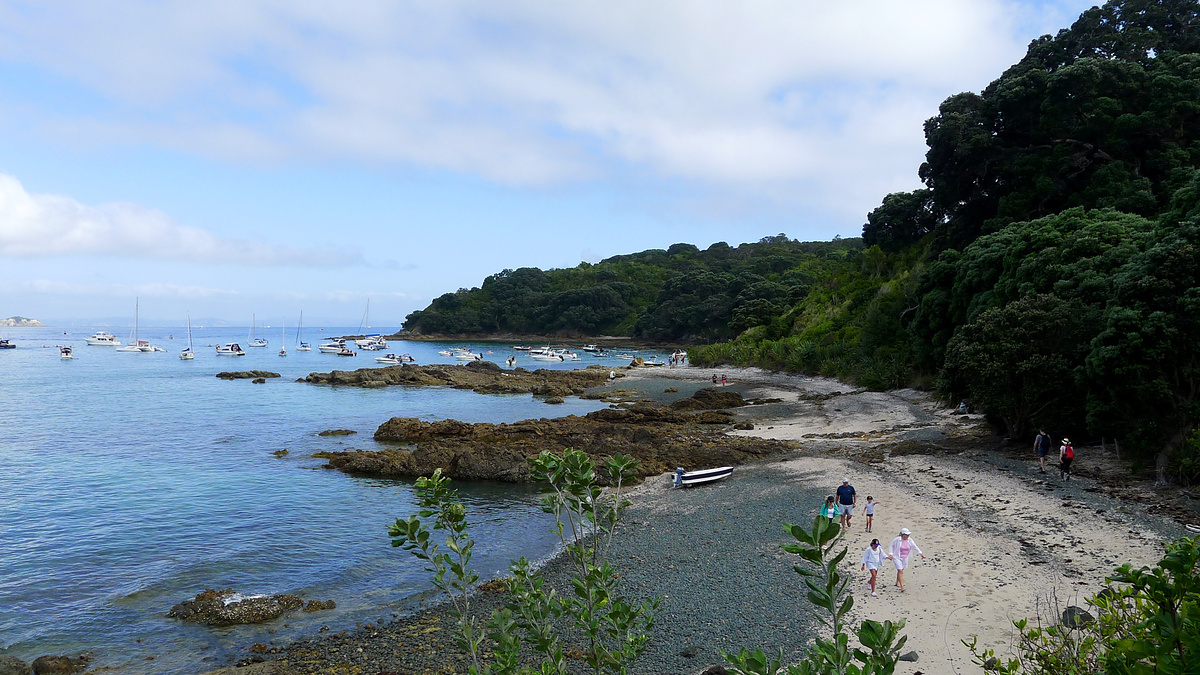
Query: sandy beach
(1001, 541)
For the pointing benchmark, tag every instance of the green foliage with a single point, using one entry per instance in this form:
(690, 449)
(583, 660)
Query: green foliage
(1147, 626)
(613, 628)
(880, 642)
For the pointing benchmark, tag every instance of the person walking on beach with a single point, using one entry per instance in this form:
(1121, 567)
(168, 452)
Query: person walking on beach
(847, 498)
(1066, 454)
(869, 511)
(722, 379)
(714, 378)
(872, 559)
(903, 548)
(1041, 445)
(829, 509)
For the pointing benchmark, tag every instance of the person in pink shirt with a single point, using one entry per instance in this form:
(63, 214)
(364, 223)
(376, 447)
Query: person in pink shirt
(903, 549)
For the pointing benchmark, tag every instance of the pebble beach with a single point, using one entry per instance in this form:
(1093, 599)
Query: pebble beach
(1001, 541)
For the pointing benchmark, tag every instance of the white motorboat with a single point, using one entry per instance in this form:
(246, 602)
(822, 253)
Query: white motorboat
(230, 349)
(64, 352)
(546, 356)
(468, 355)
(373, 342)
(391, 359)
(103, 339)
(7, 344)
(332, 347)
(301, 346)
(345, 352)
(566, 354)
(590, 348)
(627, 357)
(187, 354)
(520, 348)
(685, 478)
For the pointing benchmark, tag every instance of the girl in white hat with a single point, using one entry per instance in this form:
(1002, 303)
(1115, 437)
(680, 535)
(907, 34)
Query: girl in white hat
(903, 548)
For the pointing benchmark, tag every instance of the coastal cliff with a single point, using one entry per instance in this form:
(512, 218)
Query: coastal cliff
(21, 322)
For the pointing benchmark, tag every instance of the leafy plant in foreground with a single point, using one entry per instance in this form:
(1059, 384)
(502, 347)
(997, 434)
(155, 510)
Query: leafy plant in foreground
(881, 642)
(613, 628)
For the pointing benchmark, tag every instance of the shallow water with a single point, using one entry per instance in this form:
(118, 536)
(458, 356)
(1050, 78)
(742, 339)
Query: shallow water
(130, 482)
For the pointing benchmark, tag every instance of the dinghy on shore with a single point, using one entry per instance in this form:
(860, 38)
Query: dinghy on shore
(686, 478)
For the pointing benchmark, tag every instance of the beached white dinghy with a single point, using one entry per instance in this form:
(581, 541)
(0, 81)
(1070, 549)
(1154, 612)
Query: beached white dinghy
(685, 478)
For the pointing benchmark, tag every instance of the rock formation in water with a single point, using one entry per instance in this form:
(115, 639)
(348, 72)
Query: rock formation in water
(483, 377)
(660, 438)
(246, 374)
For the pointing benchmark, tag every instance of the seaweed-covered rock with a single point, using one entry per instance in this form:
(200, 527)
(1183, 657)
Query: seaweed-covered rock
(11, 665)
(319, 605)
(228, 608)
(337, 432)
(60, 665)
(660, 438)
(246, 374)
(483, 377)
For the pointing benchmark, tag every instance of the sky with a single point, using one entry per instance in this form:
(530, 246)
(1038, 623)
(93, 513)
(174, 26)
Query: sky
(241, 158)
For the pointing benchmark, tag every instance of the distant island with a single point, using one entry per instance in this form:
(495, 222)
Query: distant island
(21, 322)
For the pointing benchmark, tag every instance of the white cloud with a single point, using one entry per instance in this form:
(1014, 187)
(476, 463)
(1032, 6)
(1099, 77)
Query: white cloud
(810, 103)
(39, 225)
(151, 290)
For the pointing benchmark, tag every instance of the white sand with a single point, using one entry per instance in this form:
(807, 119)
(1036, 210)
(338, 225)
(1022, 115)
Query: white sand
(999, 544)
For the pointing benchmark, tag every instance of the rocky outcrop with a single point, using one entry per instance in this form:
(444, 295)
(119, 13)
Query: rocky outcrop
(483, 377)
(710, 399)
(21, 322)
(338, 432)
(660, 438)
(246, 374)
(60, 665)
(11, 665)
(228, 608)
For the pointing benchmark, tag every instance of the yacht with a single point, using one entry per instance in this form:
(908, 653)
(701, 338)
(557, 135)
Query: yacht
(230, 349)
(103, 339)
(255, 341)
(333, 346)
(372, 342)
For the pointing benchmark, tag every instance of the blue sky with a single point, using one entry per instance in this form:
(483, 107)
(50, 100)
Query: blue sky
(242, 157)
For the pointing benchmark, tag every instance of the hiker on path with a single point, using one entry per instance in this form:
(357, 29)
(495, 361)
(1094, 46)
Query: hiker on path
(829, 509)
(903, 548)
(847, 498)
(1041, 445)
(1066, 454)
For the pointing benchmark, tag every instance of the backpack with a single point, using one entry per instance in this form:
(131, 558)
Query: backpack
(1069, 453)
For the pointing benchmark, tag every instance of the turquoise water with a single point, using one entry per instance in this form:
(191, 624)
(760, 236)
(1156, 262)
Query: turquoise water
(130, 482)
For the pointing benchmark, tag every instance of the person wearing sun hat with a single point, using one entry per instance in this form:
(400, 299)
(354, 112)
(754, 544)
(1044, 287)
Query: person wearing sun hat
(903, 549)
(1066, 453)
(847, 500)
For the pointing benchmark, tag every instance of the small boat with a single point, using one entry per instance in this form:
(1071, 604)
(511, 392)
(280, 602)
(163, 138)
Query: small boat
(187, 354)
(255, 341)
(686, 478)
(627, 357)
(601, 354)
(345, 352)
(230, 349)
(6, 344)
(546, 356)
(138, 345)
(64, 352)
(372, 342)
(590, 348)
(467, 355)
(283, 338)
(390, 359)
(301, 346)
(102, 339)
(520, 348)
(653, 362)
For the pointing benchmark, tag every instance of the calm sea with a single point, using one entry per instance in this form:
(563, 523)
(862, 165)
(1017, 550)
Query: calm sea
(132, 481)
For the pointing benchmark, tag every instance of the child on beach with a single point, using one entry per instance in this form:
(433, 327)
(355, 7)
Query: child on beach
(872, 559)
(829, 510)
(869, 511)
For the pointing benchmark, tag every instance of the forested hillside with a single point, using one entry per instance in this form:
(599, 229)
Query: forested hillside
(1049, 269)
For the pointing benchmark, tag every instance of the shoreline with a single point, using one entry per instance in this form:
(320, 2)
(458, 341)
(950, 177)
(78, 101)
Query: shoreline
(998, 537)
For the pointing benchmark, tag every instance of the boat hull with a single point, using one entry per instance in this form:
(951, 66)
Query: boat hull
(705, 476)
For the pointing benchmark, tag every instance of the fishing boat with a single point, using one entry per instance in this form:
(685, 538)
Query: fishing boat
(64, 352)
(187, 354)
(7, 344)
(103, 339)
(255, 341)
(230, 349)
(685, 478)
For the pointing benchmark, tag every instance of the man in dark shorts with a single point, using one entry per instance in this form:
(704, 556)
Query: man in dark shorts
(847, 498)
(1041, 444)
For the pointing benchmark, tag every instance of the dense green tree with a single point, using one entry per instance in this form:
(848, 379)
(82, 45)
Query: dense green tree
(902, 219)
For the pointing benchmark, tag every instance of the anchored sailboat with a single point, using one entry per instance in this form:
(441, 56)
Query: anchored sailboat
(188, 354)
